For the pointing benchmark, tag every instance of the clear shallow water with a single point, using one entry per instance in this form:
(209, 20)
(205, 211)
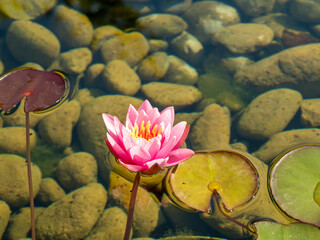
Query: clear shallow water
(216, 68)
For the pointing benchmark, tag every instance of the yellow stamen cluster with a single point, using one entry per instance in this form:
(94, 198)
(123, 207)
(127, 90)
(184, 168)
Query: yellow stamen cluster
(144, 131)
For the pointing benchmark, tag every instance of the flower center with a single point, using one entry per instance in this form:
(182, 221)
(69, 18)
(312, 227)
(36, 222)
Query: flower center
(144, 131)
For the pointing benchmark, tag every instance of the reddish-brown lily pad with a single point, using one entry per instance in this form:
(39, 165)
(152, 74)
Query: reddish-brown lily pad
(42, 90)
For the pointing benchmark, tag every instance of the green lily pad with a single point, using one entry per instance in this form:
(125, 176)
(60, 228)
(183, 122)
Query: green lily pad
(296, 231)
(293, 177)
(230, 174)
(316, 194)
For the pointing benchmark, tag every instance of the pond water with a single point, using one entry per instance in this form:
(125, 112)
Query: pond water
(245, 75)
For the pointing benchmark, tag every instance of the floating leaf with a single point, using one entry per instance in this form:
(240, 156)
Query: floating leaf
(42, 90)
(225, 171)
(316, 194)
(293, 177)
(295, 231)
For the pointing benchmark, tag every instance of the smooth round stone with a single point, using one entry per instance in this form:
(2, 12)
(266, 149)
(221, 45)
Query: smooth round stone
(49, 192)
(255, 7)
(310, 112)
(74, 61)
(158, 45)
(109, 224)
(244, 38)
(74, 215)
(13, 140)
(188, 48)
(31, 42)
(1, 122)
(130, 47)
(73, 28)
(119, 77)
(305, 10)
(174, 6)
(160, 25)
(205, 18)
(102, 33)
(190, 118)
(14, 180)
(285, 140)
(212, 129)
(269, 113)
(93, 75)
(85, 95)
(56, 129)
(5, 217)
(292, 68)
(20, 223)
(77, 170)
(33, 65)
(153, 67)
(180, 72)
(169, 94)
(26, 9)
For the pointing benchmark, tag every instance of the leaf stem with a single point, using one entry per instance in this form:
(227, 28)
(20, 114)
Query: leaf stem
(134, 192)
(31, 200)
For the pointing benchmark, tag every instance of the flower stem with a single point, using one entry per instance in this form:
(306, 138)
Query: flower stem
(31, 200)
(134, 192)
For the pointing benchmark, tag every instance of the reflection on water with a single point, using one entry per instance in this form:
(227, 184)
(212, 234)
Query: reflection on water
(243, 74)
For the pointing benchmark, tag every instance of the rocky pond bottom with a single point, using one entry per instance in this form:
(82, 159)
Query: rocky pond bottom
(244, 75)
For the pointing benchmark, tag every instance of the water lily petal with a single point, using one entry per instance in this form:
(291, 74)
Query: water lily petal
(145, 106)
(142, 116)
(127, 140)
(162, 162)
(139, 155)
(153, 146)
(178, 156)
(109, 122)
(133, 167)
(166, 116)
(178, 131)
(120, 153)
(131, 117)
(182, 138)
(153, 114)
(165, 149)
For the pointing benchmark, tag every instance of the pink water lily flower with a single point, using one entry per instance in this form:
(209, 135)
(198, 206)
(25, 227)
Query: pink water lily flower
(148, 139)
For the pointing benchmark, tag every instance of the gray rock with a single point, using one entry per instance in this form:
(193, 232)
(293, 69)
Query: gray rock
(77, 170)
(14, 180)
(110, 225)
(26, 9)
(20, 223)
(169, 94)
(310, 112)
(205, 18)
(305, 10)
(212, 129)
(256, 7)
(4, 217)
(160, 25)
(13, 140)
(101, 34)
(269, 113)
(73, 28)
(49, 192)
(282, 141)
(293, 68)
(244, 38)
(120, 78)
(180, 72)
(74, 61)
(74, 215)
(31, 42)
(91, 128)
(188, 48)
(130, 47)
(56, 129)
(153, 67)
